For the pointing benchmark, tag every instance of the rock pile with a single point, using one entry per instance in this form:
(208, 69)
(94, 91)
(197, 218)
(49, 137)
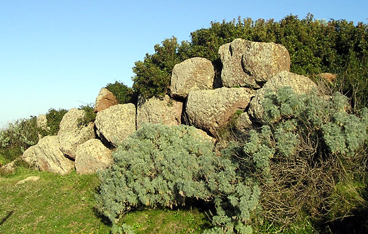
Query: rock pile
(249, 68)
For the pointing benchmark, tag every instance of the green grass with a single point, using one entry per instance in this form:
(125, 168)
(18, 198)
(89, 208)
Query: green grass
(53, 204)
(65, 204)
(167, 221)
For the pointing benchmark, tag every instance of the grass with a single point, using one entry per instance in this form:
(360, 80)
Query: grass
(167, 221)
(65, 204)
(53, 204)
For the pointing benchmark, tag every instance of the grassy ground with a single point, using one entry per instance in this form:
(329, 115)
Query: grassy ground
(65, 204)
(53, 204)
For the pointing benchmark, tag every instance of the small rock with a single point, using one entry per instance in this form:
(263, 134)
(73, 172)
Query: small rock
(31, 178)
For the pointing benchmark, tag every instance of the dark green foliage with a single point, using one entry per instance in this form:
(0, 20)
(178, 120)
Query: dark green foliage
(154, 73)
(54, 118)
(123, 93)
(89, 114)
(162, 166)
(17, 137)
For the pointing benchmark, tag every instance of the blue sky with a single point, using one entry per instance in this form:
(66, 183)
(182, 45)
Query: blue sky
(59, 54)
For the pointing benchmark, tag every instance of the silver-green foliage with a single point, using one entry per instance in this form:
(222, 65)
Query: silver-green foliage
(162, 166)
(300, 123)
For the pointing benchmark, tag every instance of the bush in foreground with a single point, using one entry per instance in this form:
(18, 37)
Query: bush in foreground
(162, 166)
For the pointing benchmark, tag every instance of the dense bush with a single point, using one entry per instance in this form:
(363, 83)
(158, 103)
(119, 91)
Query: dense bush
(17, 137)
(154, 73)
(89, 114)
(162, 166)
(309, 144)
(54, 118)
(123, 93)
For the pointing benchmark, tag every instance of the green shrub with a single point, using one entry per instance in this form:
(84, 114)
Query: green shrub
(54, 118)
(154, 73)
(161, 166)
(123, 93)
(308, 144)
(89, 116)
(17, 137)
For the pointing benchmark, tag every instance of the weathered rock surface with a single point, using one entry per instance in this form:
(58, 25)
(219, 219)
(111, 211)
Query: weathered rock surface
(212, 109)
(300, 84)
(194, 73)
(9, 167)
(47, 156)
(250, 64)
(154, 110)
(116, 123)
(243, 123)
(72, 133)
(92, 156)
(104, 100)
(42, 122)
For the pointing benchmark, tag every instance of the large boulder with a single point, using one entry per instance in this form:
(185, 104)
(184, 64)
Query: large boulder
(300, 85)
(211, 109)
(47, 156)
(92, 156)
(104, 100)
(116, 123)
(250, 64)
(155, 110)
(194, 73)
(73, 132)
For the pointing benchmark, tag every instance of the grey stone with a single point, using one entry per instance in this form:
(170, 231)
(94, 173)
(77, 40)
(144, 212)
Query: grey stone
(92, 156)
(250, 64)
(166, 111)
(211, 109)
(47, 156)
(194, 73)
(72, 133)
(116, 123)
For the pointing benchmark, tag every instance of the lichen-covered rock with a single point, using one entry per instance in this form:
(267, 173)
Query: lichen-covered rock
(92, 156)
(250, 64)
(73, 133)
(47, 156)
(116, 123)
(42, 122)
(300, 84)
(194, 73)
(211, 109)
(104, 100)
(166, 111)
(243, 123)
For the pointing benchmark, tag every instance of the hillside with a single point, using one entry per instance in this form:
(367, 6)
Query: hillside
(238, 130)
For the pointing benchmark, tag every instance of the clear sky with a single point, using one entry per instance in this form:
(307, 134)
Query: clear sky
(59, 54)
